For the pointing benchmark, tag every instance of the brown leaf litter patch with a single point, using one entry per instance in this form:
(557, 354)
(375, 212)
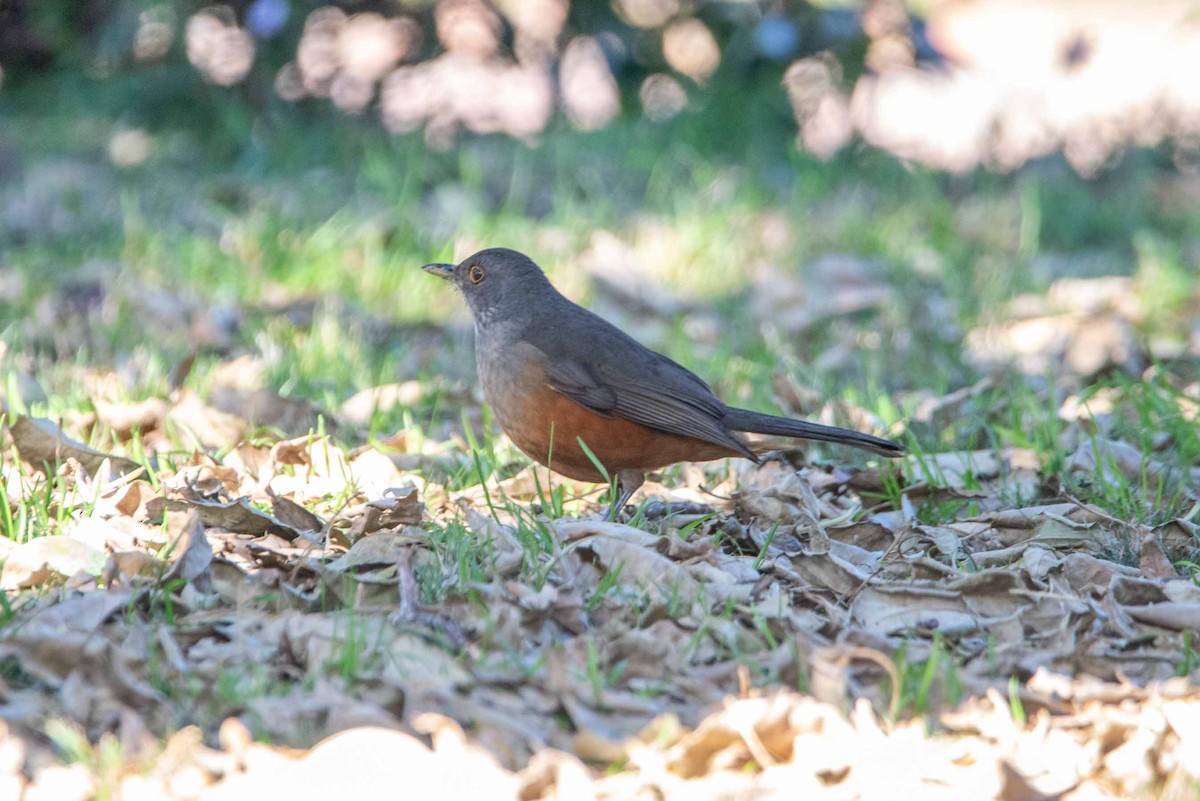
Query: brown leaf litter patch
(347, 607)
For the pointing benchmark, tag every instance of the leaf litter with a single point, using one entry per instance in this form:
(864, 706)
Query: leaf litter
(284, 614)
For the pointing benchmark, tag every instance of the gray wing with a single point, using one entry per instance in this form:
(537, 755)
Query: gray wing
(647, 388)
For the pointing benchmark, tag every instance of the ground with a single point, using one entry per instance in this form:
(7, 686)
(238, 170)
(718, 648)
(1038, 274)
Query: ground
(253, 499)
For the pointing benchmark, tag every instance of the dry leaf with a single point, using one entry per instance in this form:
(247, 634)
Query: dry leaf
(236, 515)
(384, 549)
(205, 426)
(400, 507)
(189, 553)
(630, 553)
(362, 406)
(49, 559)
(42, 444)
(267, 409)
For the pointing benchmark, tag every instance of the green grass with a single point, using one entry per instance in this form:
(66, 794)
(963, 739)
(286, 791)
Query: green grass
(932, 682)
(308, 254)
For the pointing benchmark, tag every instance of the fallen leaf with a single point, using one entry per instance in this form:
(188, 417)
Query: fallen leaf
(236, 515)
(126, 418)
(267, 409)
(383, 549)
(401, 507)
(42, 444)
(362, 406)
(205, 426)
(189, 553)
(45, 559)
(630, 554)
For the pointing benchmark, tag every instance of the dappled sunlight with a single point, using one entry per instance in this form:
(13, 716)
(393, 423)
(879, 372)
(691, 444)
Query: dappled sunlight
(823, 112)
(589, 91)
(689, 47)
(471, 85)
(457, 90)
(467, 27)
(662, 96)
(989, 83)
(218, 47)
(344, 57)
(647, 13)
(1027, 79)
(129, 147)
(155, 34)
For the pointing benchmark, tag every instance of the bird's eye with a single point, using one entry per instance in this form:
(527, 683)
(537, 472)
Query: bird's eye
(475, 274)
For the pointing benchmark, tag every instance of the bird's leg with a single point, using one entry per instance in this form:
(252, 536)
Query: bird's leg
(627, 483)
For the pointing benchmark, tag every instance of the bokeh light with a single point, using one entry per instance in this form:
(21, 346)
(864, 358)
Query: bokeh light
(154, 35)
(776, 37)
(129, 147)
(992, 83)
(266, 18)
(218, 48)
(662, 96)
(467, 26)
(318, 52)
(647, 13)
(538, 25)
(691, 49)
(589, 90)
(369, 45)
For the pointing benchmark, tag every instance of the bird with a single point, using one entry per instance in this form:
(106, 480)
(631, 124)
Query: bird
(583, 398)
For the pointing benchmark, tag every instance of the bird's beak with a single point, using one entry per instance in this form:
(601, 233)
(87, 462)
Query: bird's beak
(440, 270)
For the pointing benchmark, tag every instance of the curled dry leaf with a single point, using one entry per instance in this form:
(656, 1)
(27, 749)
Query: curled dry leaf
(42, 445)
(322, 468)
(383, 549)
(189, 553)
(1168, 615)
(401, 506)
(126, 567)
(238, 515)
(375, 475)
(977, 602)
(1152, 560)
(294, 515)
(127, 499)
(112, 534)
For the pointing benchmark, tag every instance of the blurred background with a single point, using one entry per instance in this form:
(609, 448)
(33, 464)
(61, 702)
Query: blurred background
(880, 202)
(949, 84)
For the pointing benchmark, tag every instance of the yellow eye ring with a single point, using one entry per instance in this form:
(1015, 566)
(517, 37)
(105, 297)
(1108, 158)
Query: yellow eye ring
(475, 274)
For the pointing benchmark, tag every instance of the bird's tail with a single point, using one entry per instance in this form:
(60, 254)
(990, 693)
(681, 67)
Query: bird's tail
(756, 423)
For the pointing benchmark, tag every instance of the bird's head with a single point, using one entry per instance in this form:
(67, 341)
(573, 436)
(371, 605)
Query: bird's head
(497, 283)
